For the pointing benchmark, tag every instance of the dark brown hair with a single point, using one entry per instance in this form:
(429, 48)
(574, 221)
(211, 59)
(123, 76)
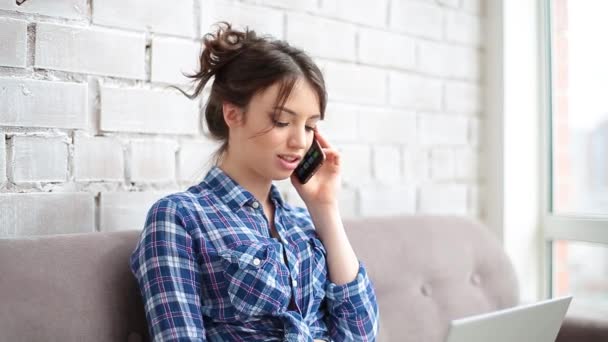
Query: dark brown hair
(243, 64)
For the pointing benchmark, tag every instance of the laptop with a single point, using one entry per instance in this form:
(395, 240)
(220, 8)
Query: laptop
(536, 322)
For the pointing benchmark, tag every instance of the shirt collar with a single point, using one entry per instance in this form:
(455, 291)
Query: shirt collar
(232, 193)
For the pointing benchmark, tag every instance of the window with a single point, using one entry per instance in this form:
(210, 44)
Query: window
(576, 218)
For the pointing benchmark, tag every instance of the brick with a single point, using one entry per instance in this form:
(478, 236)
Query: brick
(416, 165)
(58, 104)
(443, 163)
(262, 20)
(467, 163)
(340, 123)
(307, 5)
(126, 210)
(13, 35)
(443, 199)
(398, 51)
(380, 125)
(449, 3)
(39, 159)
(440, 129)
(2, 159)
(27, 214)
(195, 159)
(463, 28)
(148, 111)
(147, 15)
(387, 200)
(304, 30)
(172, 58)
(84, 50)
(356, 164)
(417, 18)
(98, 158)
(387, 164)
(70, 9)
(353, 83)
(474, 6)
(451, 61)
(371, 13)
(462, 97)
(152, 161)
(415, 92)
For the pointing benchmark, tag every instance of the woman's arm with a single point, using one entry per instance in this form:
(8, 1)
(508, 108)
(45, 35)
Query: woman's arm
(351, 298)
(168, 276)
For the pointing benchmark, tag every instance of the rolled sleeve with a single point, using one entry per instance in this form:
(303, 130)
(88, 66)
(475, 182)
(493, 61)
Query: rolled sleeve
(168, 276)
(353, 309)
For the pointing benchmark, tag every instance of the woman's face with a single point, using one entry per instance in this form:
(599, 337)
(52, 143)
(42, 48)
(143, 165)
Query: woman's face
(291, 133)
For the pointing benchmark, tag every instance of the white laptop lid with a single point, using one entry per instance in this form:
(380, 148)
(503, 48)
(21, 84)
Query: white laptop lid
(536, 322)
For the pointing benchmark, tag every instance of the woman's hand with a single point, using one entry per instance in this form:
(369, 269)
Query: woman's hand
(322, 188)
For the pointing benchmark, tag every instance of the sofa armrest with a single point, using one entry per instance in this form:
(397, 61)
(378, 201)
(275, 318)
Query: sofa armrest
(578, 329)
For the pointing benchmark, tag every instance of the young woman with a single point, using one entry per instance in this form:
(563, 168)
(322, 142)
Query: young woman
(228, 259)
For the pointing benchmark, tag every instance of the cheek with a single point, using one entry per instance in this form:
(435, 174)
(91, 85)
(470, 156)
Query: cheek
(272, 140)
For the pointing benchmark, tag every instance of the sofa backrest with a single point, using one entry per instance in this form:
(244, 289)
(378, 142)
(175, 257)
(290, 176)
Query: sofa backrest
(70, 287)
(425, 269)
(428, 270)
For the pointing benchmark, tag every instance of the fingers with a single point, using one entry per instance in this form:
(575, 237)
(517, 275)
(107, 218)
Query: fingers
(322, 141)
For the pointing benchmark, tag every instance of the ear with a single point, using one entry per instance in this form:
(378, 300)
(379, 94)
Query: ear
(233, 115)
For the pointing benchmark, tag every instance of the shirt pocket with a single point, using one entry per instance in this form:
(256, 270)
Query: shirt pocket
(257, 285)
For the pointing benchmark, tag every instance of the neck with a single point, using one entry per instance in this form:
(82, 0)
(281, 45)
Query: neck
(253, 182)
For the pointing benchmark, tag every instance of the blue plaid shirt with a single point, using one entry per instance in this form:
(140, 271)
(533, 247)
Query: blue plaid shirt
(209, 270)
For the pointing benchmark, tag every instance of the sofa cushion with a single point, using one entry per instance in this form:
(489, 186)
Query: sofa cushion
(428, 270)
(70, 287)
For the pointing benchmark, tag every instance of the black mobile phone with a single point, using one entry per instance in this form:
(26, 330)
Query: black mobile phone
(311, 162)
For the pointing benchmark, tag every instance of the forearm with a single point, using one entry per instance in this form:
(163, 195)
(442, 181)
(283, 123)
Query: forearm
(342, 262)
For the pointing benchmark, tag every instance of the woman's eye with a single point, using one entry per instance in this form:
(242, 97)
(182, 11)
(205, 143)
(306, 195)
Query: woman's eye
(310, 128)
(280, 124)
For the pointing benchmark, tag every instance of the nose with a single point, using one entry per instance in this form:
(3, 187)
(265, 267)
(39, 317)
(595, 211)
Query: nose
(297, 138)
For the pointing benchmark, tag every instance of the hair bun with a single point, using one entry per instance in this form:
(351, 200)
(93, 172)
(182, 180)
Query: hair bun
(222, 46)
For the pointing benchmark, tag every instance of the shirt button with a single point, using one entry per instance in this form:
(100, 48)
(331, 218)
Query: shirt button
(255, 204)
(294, 283)
(256, 262)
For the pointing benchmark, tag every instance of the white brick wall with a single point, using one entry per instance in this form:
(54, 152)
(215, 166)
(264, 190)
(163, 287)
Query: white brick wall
(304, 30)
(90, 50)
(56, 104)
(194, 159)
(84, 112)
(13, 35)
(152, 161)
(70, 9)
(160, 16)
(26, 214)
(172, 58)
(39, 159)
(417, 18)
(261, 19)
(126, 210)
(98, 159)
(147, 111)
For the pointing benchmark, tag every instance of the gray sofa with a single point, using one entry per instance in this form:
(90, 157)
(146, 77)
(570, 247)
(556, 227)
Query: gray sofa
(426, 271)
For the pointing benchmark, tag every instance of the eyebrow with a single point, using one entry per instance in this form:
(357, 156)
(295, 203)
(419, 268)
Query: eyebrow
(285, 109)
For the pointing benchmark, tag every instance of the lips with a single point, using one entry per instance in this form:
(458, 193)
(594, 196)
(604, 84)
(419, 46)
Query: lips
(291, 158)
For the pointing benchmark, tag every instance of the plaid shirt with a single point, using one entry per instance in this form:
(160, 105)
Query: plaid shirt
(209, 270)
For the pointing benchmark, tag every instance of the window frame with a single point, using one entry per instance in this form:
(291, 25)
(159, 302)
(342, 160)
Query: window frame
(569, 227)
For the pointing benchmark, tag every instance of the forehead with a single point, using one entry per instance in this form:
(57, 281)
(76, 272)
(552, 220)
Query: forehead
(303, 99)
